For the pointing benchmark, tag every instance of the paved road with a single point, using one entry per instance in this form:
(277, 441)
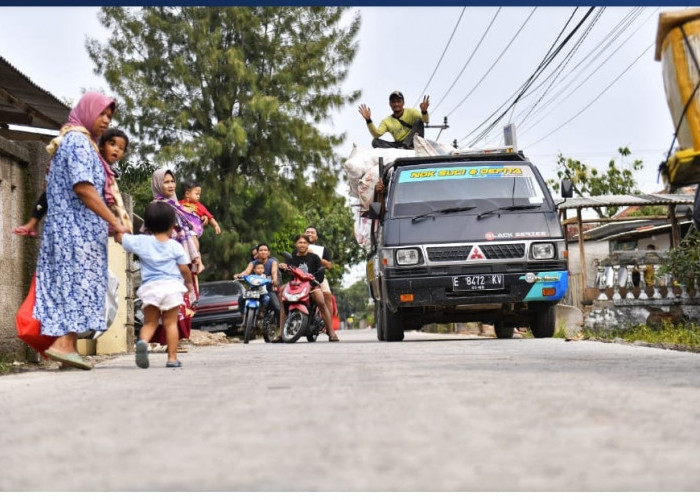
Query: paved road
(433, 413)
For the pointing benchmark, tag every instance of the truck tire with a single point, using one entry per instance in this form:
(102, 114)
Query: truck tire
(378, 321)
(502, 331)
(392, 324)
(544, 323)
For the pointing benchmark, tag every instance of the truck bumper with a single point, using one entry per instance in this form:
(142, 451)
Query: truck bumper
(437, 292)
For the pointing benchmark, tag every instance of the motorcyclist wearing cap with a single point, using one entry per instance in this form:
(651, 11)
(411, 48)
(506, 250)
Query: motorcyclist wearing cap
(403, 124)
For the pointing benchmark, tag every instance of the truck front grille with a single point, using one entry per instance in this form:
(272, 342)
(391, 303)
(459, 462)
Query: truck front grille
(504, 251)
(441, 254)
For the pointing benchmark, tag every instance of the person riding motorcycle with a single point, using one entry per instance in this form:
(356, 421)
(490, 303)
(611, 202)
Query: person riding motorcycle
(311, 263)
(262, 252)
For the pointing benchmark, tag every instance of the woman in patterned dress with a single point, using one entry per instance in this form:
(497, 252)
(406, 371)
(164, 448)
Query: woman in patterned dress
(72, 267)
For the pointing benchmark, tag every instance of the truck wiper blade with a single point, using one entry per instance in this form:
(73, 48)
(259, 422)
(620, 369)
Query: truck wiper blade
(443, 211)
(510, 208)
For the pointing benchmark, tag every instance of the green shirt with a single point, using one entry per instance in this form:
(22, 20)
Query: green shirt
(394, 127)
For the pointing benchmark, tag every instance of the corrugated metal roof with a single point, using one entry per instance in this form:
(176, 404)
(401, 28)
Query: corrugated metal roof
(644, 230)
(627, 200)
(24, 103)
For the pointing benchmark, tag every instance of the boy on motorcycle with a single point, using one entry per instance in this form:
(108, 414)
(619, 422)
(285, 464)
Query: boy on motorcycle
(262, 256)
(311, 263)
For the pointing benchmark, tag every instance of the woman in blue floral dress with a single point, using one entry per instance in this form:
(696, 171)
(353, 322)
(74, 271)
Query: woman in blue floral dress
(72, 267)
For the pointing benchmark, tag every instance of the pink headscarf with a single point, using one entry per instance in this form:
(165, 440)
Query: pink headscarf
(84, 114)
(88, 109)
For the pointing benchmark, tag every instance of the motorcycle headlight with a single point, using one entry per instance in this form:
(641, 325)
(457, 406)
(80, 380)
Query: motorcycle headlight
(540, 251)
(292, 297)
(408, 256)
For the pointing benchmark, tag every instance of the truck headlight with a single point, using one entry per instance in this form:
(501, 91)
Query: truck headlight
(408, 256)
(540, 251)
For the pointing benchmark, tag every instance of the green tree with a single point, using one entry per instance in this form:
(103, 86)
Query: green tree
(589, 181)
(233, 97)
(354, 301)
(135, 179)
(683, 262)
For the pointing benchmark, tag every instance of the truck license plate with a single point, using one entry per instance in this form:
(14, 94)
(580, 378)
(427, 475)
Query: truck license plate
(477, 282)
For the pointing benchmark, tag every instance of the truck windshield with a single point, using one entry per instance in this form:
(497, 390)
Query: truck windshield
(439, 186)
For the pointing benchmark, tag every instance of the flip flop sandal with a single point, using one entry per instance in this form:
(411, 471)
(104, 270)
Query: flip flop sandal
(173, 364)
(73, 359)
(23, 231)
(142, 354)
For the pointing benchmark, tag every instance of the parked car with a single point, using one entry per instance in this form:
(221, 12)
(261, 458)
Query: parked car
(217, 308)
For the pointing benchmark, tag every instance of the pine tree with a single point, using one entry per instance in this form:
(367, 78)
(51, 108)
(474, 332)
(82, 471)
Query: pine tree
(235, 97)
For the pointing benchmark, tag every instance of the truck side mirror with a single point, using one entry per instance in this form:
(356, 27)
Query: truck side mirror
(567, 188)
(375, 210)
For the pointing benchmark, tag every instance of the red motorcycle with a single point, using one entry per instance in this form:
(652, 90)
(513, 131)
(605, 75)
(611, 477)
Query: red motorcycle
(303, 316)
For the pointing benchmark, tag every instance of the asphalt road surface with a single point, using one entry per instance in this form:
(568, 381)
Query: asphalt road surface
(432, 413)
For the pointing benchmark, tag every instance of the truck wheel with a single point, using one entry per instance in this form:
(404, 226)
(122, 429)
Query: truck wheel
(378, 321)
(544, 322)
(502, 331)
(393, 325)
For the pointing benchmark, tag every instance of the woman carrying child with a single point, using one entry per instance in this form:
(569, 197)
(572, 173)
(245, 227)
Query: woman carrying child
(71, 276)
(163, 186)
(112, 147)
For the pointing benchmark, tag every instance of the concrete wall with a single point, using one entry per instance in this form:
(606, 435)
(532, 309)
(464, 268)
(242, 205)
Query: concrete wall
(22, 172)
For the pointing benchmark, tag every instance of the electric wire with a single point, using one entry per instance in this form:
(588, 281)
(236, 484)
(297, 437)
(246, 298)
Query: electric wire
(551, 80)
(524, 87)
(615, 80)
(580, 77)
(617, 29)
(454, 82)
(422, 92)
(582, 80)
(522, 26)
(594, 54)
(540, 70)
(546, 62)
(567, 59)
(551, 47)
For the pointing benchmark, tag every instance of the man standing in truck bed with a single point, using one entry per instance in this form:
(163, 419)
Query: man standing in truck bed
(403, 124)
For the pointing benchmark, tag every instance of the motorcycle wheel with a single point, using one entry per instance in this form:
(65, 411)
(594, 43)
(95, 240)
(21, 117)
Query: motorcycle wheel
(294, 326)
(249, 324)
(268, 329)
(312, 338)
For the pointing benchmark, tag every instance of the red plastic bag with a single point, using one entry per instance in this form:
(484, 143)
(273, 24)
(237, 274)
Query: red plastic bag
(28, 327)
(336, 318)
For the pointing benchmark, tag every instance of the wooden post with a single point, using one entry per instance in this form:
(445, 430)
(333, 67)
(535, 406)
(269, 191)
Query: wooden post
(675, 230)
(582, 257)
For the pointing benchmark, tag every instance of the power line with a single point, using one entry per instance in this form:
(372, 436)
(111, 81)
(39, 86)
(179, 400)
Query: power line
(561, 32)
(545, 62)
(522, 26)
(422, 92)
(579, 76)
(615, 80)
(523, 88)
(553, 79)
(483, 36)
